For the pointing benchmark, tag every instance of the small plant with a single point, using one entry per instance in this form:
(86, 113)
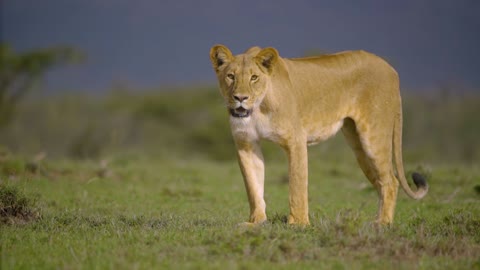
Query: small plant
(15, 207)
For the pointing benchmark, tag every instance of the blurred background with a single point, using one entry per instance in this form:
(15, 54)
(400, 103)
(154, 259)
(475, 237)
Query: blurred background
(95, 79)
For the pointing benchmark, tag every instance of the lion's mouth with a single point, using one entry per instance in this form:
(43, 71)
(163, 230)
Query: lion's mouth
(240, 112)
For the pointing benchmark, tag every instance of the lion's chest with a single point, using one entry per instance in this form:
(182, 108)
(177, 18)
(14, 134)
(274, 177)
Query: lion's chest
(253, 128)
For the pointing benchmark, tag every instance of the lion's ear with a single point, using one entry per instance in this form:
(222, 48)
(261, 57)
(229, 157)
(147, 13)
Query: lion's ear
(220, 55)
(267, 58)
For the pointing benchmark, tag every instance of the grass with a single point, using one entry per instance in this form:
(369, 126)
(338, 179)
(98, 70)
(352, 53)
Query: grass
(183, 214)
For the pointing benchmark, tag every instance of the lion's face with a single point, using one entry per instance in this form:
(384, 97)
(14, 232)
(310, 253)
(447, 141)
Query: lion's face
(244, 79)
(244, 86)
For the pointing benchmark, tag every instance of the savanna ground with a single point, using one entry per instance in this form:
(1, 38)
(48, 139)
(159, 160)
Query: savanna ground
(151, 181)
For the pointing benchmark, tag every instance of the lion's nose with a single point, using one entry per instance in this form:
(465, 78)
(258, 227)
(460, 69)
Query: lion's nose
(240, 98)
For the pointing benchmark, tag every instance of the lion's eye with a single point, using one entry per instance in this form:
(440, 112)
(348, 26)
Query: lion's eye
(254, 78)
(231, 76)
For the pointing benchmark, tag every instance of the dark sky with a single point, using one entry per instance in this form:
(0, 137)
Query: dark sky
(148, 43)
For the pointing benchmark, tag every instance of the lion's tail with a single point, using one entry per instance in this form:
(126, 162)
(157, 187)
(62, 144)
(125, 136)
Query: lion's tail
(418, 179)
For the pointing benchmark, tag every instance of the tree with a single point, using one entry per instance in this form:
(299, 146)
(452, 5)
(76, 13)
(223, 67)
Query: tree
(20, 72)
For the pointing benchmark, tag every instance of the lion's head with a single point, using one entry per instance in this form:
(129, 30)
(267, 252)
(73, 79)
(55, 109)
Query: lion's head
(244, 79)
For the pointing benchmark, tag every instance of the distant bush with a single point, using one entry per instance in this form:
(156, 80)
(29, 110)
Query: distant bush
(193, 123)
(442, 126)
(88, 144)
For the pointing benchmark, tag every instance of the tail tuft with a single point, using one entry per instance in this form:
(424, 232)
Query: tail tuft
(419, 180)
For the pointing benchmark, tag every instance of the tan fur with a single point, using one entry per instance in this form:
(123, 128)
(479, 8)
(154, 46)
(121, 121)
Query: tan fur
(297, 102)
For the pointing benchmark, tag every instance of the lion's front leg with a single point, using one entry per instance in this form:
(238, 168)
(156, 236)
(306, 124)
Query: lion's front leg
(252, 166)
(298, 183)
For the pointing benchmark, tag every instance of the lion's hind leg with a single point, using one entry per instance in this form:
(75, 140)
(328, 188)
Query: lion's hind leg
(374, 155)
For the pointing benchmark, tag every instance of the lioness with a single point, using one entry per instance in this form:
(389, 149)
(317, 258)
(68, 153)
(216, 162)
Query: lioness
(302, 101)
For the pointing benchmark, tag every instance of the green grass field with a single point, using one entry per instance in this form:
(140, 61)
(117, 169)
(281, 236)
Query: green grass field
(163, 214)
(138, 200)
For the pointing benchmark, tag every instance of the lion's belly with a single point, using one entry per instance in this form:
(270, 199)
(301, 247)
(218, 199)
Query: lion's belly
(320, 134)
